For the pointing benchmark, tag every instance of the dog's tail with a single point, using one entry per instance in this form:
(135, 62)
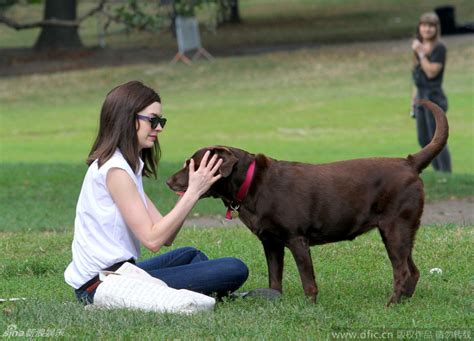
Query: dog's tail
(422, 159)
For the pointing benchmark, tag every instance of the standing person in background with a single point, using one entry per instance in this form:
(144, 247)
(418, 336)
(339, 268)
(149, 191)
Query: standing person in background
(429, 62)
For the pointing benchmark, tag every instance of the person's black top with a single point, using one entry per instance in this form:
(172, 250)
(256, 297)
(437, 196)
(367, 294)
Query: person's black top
(438, 55)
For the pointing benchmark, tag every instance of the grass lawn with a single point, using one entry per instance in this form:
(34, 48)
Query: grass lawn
(312, 105)
(354, 278)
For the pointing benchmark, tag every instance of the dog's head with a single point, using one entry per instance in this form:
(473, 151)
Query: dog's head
(178, 182)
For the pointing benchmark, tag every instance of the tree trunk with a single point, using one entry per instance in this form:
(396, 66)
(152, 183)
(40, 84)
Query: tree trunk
(234, 12)
(59, 37)
(228, 12)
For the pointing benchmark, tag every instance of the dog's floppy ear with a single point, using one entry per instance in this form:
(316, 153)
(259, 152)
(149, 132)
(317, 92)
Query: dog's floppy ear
(228, 158)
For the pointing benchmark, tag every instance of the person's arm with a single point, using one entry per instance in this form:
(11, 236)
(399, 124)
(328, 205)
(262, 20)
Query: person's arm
(156, 216)
(153, 235)
(431, 69)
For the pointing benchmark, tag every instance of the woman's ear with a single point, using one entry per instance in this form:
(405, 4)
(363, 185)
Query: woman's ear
(228, 158)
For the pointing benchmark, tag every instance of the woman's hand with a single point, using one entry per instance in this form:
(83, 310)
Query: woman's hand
(413, 108)
(204, 177)
(416, 46)
(420, 49)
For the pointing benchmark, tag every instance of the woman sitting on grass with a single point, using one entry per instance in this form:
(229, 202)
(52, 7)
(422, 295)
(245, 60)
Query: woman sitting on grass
(114, 215)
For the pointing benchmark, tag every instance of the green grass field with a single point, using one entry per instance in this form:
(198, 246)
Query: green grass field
(312, 105)
(315, 105)
(354, 278)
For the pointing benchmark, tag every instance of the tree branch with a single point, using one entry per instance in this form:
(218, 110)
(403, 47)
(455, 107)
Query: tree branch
(117, 19)
(93, 11)
(52, 22)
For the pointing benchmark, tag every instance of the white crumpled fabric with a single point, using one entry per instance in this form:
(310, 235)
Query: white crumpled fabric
(133, 288)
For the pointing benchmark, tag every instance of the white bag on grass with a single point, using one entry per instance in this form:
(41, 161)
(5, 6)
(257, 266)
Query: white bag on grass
(133, 288)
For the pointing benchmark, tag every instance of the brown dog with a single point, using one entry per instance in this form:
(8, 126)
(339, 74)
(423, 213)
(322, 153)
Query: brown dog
(298, 205)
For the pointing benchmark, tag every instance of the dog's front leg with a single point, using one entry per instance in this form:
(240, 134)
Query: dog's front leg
(299, 247)
(275, 253)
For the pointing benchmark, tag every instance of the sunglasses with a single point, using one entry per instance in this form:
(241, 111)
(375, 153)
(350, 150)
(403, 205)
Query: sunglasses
(154, 120)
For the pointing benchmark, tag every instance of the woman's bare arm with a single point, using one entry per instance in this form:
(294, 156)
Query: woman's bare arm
(152, 230)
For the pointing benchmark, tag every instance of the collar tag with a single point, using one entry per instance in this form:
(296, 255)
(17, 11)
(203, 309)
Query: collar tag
(233, 208)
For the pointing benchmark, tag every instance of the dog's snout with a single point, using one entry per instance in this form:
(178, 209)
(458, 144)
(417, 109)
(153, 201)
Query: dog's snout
(178, 182)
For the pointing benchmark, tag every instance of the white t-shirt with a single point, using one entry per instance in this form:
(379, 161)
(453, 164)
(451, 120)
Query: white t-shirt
(101, 236)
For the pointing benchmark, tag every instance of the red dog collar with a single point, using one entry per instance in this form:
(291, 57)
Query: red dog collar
(235, 205)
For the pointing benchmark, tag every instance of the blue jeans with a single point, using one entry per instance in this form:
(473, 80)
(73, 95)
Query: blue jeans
(189, 268)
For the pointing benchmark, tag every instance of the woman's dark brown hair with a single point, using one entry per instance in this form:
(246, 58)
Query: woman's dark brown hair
(430, 18)
(117, 128)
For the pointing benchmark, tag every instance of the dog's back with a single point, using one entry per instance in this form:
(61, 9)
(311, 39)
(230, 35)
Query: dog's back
(334, 201)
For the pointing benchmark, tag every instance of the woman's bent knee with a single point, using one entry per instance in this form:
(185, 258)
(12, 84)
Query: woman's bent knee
(238, 269)
(187, 249)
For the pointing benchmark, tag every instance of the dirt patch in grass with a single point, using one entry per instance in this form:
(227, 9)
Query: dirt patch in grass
(453, 211)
